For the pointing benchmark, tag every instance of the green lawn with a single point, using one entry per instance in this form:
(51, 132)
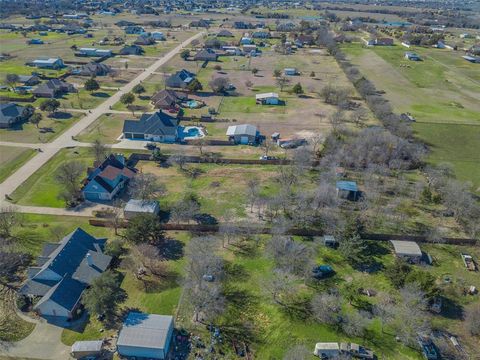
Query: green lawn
(247, 105)
(107, 128)
(455, 144)
(85, 100)
(48, 129)
(11, 158)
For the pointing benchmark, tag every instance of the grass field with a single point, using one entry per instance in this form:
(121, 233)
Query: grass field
(107, 128)
(48, 129)
(441, 92)
(12, 328)
(11, 158)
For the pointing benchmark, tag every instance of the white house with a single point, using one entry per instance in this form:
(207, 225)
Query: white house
(50, 63)
(94, 52)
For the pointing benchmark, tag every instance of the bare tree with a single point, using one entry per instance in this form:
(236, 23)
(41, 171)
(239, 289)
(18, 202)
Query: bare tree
(359, 116)
(281, 82)
(355, 323)
(177, 159)
(99, 150)
(9, 219)
(289, 255)
(145, 187)
(68, 175)
(472, 319)
(253, 191)
(145, 259)
(185, 209)
(326, 308)
(282, 287)
(12, 262)
(114, 216)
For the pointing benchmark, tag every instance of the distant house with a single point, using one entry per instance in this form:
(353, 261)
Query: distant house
(29, 80)
(206, 55)
(348, 190)
(35, 42)
(50, 63)
(250, 49)
(168, 99)
(144, 40)
(383, 42)
(261, 35)
(145, 336)
(246, 41)
(94, 52)
(232, 50)
(134, 29)
(53, 88)
(290, 71)
(224, 33)
(158, 36)
(267, 99)
(95, 69)
(158, 126)
(242, 25)
(407, 250)
(63, 272)
(136, 207)
(304, 40)
(412, 56)
(180, 79)
(132, 50)
(11, 114)
(472, 59)
(105, 181)
(125, 23)
(200, 23)
(243, 134)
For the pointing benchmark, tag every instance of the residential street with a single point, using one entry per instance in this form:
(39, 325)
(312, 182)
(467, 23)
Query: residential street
(64, 140)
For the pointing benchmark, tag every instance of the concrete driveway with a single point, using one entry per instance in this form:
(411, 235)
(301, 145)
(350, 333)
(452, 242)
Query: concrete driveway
(43, 343)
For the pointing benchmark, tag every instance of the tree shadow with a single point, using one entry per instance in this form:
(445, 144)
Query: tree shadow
(62, 115)
(298, 309)
(451, 309)
(235, 272)
(172, 249)
(100, 94)
(205, 219)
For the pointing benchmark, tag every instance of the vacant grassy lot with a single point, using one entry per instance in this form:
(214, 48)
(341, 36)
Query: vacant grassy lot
(48, 129)
(441, 92)
(11, 158)
(107, 128)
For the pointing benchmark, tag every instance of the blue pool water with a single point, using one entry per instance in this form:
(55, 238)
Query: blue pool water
(192, 104)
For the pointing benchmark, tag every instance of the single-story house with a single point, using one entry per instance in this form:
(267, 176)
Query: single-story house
(135, 207)
(63, 272)
(224, 33)
(180, 79)
(243, 134)
(232, 50)
(304, 40)
(35, 42)
(326, 350)
(10, 114)
(50, 63)
(29, 80)
(158, 126)
(290, 71)
(145, 336)
(94, 52)
(53, 88)
(106, 180)
(158, 36)
(261, 35)
(134, 29)
(383, 42)
(132, 50)
(347, 190)
(206, 55)
(86, 349)
(407, 250)
(246, 41)
(249, 49)
(144, 40)
(412, 56)
(95, 69)
(200, 23)
(267, 99)
(168, 99)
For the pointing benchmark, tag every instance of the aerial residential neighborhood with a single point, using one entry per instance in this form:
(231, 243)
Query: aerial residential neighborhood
(194, 180)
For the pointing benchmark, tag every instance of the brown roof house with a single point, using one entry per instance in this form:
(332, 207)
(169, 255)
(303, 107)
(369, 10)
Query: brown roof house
(168, 99)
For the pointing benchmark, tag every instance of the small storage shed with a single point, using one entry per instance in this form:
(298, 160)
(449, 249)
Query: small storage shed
(326, 350)
(407, 250)
(86, 349)
(145, 336)
(267, 99)
(329, 240)
(135, 207)
(348, 190)
(243, 134)
(290, 71)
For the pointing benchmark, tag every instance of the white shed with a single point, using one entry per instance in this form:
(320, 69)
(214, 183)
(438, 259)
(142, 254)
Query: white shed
(136, 207)
(145, 336)
(82, 349)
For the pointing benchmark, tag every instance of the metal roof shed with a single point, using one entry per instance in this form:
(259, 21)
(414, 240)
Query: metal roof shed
(406, 248)
(82, 349)
(145, 336)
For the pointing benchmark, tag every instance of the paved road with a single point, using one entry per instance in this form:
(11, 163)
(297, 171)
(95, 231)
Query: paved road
(65, 139)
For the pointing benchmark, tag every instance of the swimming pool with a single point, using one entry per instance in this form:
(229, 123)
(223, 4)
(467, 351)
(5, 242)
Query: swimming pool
(191, 132)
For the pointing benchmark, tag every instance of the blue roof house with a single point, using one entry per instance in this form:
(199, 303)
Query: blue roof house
(348, 190)
(64, 270)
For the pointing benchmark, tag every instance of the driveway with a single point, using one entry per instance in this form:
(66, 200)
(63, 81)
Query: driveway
(43, 343)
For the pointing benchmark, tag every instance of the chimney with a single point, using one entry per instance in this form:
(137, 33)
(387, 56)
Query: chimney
(89, 259)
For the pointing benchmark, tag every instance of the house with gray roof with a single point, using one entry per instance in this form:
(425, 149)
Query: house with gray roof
(63, 272)
(28, 80)
(180, 79)
(243, 134)
(136, 207)
(95, 69)
(145, 336)
(407, 250)
(158, 126)
(11, 114)
(53, 88)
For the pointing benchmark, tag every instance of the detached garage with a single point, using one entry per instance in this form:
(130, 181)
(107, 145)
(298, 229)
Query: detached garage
(145, 336)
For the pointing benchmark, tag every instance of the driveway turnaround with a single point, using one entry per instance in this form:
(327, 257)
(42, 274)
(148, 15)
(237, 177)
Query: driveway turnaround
(65, 139)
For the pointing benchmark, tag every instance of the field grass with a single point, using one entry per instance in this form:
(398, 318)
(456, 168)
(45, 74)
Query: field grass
(12, 328)
(11, 158)
(84, 99)
(107, 128)
(49, 128)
